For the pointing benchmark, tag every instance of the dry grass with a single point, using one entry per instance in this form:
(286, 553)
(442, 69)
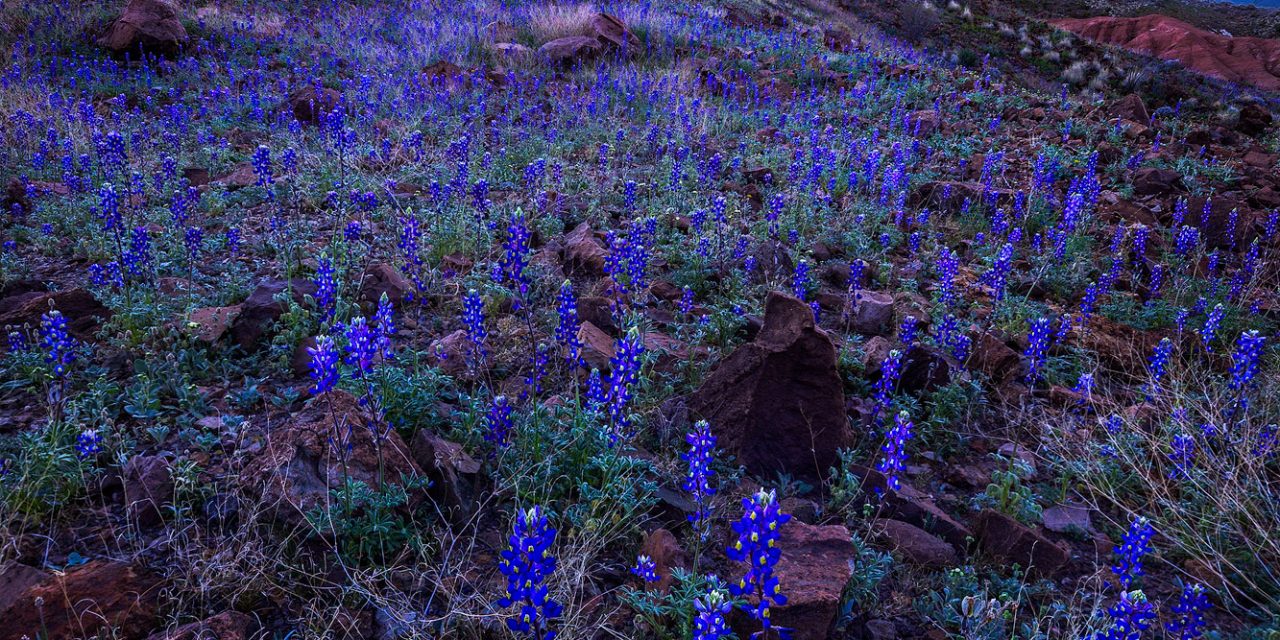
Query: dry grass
(551, 21)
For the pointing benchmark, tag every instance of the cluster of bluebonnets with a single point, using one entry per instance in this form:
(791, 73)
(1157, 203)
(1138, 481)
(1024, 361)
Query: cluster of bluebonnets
(493, 175)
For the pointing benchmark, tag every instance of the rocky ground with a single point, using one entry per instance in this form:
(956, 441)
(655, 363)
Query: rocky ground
(641, 320)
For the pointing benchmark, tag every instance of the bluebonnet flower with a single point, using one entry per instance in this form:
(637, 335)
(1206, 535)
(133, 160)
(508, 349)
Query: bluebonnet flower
(538, 371)
(709, 621)
(88, 444)
(137, 260)
(17, 342)
(1211, 325)
(59, 346)
(233, 240)
(262, 167)
(595, 393)
(498, 423)
(1136, 544)
(800, 280)
(624, 372)
(516, 257)
(109, 207)
(998, 276)
(473, 319)
(384, 319)
(757, 535)
(324, 365)
(193, 240)
(326, 288)
(698, 479)
(1244, 362)
(361, 347)
(1188, 614)
(646, 569)
(1037, 348)
(890, 371)
(567, 326)
(948, 268)
(1183, 451)
(894, 461)
(907, 332)
(1129, 617)
(527, 563)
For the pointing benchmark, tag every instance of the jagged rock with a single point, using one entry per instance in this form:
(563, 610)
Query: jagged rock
(310, 105)
(83, 601)
(1254, 120)
(148, 487)
(145, 26)
(584, 254)
(992, 357)
(447, 465)
(812, 572)
(570, 50)
(664, 549)
(1129, 108)
(298, 466)
(209, 324)
(228, 625)
(597, 347)
(612, 32)
(1218, 229)
(777, 402)
(1012, 542)
(261, 309)
(918, 546)
(923, 367)
(383, 279)
(83, 312)
(872, 312)
(1067, 518)
(1150, 181)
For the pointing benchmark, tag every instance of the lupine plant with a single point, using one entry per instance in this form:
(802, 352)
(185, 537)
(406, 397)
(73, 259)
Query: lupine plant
(758, 533)
(527, 563)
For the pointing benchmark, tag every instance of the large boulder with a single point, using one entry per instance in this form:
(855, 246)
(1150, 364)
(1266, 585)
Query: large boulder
(917, 546)
(1217, 229)
(299, 464)
(777, 403)
(812, 573)
(1012, 542)
(1254, 119)
(263, 307)
(450, 469)
(570, 50)
(94, 597)
(145, 26)
(1129, 108)
(148, 488)
(584, 254)
(1150, 181)
(26, 305)
(311, 105)
(612, 32)
(228, 625)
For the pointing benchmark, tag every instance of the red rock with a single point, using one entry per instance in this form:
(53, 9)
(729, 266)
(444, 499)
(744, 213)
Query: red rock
(1150, 181)
(664, 549)
(597, 347)
(148, 488)
(992, 357)
(1254, 118)
(612, 32)
(261, 309)
(452, 353)
(16, 578)
(1129, 108)
(228, 625)
(812, 572)
(1252, 61)
(446, 464)
(383, 279)
(1217, 229)
(570, 50)
(872, 312)
(310, 105)
(209, 324)
(777, 403)
(296, 468)
(83, 601)
(145, 26)
(584, 254)
(1012, 542)
(918, 546)
(922, 368)
(83, 312)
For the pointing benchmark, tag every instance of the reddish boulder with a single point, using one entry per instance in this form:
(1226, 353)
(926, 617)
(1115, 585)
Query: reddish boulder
(228, 625)
(262, 308)
(1218, 229)
(872, 312)
(1150, 181)
(145, 26)
(297, 466)
(994, 358)
(584, 254)
(570, 50)
(310, 105)
(923, 367)
(148, 487)
(664, 549)
(83, 312)
(812, 573)
(1254, 120)
(1252, 61)
(383, 279)
(209, 324)
(918, 546)
(1129, 108)
(1012, 542)
(448, 466)
(612, 32)
(83, 601)
(777, 403)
